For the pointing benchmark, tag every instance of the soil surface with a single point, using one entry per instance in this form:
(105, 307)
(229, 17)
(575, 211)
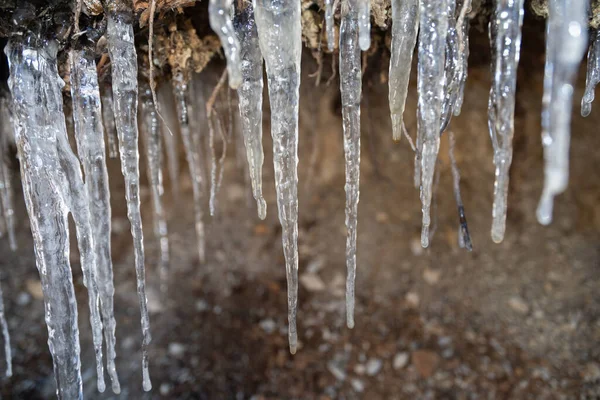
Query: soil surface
(516, 320)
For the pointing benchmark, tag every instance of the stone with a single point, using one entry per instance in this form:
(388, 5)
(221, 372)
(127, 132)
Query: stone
(400, 360)
(425, 361)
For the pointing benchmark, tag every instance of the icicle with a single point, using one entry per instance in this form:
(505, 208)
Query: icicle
(464, 239)
(432, 49)
(277, 19)
(109, 121)
(123, 57)
(451, 68)
(565, 44)
(87, 115)
(53, 186)
(364, 24)
(220, 21)
(351, 88)
(5, 337)
(6, 175)
(405, 24)
(329, 24)
(593, 73)
(152, 145)
(165, 99)
(505, 38)
(250, 102)
(193, 158)
(462, 36)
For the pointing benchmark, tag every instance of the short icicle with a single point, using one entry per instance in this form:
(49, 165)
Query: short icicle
(351, 90)
(505, 37)
(151, 139)
(329, 24)
(180, 92)
(220, 22)
(405, 25)
(432, 48)
(364, 24)
(168, 128)
(6, 174)
(121, 49)
(53, 187)
(89, 135)
(593, 73)
(250, 102)
(566, 42)
(276, 19)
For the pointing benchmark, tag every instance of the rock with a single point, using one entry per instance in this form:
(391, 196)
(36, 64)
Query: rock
(165, 389)
(431, 276)
(312, 282)
(34, 287)
(268, 325)
(412, 299)
(518, 304)
(360, 369)
(425, 361)
(400, 360)
(357, 385)
(176, 349)
(381, 217)
(373, 366)
(336, 371)
(202, 305)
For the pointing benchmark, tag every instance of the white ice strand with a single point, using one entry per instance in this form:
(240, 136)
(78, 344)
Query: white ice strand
(351, 90)
(150, 132)
(566, 42)
(53, 186)
(5, 337)
(432, 51)
(593, 73)
(505, 38)
(6, 174)
(219, 14)
(192, 155)
(168, 128)
(121, 49)
(277, 19)
(108, 119)
(451, 68)
(464, 239)
(330, 24)
(405, 25)
(89, 135)
(364, 24)
(462, 35)
(250, 102)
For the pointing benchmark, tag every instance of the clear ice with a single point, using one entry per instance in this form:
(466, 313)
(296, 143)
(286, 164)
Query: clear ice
(566, 41)
(505, 43)
(53, 187)
(89, 135)
(432, 49)
(364, 24)
(121, 49)
(329, 24)
(250, 101)
(351, 90)
(151, 139)
(180, 92)
(6, 174)
(405, 25)
(108, 119)
(219, 13)
(275, 20)
(462, 37)
(5, 337)
(451, 68)
(168, 125)
(593, 73)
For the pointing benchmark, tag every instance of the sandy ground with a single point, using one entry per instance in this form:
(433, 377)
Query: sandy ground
(518, 320)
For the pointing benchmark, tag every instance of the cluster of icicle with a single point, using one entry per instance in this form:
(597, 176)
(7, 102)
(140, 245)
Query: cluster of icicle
(268, 30)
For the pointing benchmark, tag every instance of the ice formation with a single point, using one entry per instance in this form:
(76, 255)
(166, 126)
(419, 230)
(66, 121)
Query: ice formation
(219, 12)
(593, 73)
(505, 38)
(329, 24)
(89, 135)
(351, 89)
(276, 19)
(364, 24)
(566, 40)
(123, 56)
(250, 102)
(405, 24)
(6, 175)
(5, 337)
(108, 119)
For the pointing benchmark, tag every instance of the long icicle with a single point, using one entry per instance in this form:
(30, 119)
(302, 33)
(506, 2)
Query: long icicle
(5, 336)
(277, 19)
(220, 22)
(123, 57)
(53, 186)
(151, 140)
(6, 174)
(351, 89)
(180, 88)
(593, 73)
(432, 48)
(329, 24)
(505, 42)
(250, 102)
(405, 25)
(108, 119)
(165, 99)
(462, 36)
(89, 135)
(451, 68)
(565, 44)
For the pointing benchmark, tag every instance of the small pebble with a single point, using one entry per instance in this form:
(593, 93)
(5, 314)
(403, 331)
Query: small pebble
(358, 385)
(336, 371)
(374, 366)
(268, 325)
(176, 349)
(431, 276)
(312, 282)
(519, 305)
(400, 360)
